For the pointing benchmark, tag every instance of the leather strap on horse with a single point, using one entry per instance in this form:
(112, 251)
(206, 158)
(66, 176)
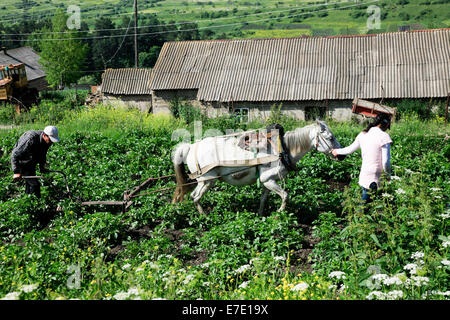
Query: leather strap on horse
(282, 149)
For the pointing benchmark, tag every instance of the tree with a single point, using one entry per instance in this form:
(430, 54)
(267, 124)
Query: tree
(188, 31)
(148, 59)
(62, 54)
(104, 48)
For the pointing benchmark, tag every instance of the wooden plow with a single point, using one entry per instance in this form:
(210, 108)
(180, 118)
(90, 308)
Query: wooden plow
(126, 203)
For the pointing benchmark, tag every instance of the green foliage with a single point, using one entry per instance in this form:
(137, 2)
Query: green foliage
(185, 111)
(62, 60)
(160, 250)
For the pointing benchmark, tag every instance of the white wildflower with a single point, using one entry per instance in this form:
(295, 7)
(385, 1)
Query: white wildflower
(126, 266)
(28, 288)
(436, 189)
(243, 268)
(121, 296)
(446, 262)
(440, 293)
(153, 265)
(444, 215)
(244, 284)
(376, 295)
(180, 291)
(206, 284)
(279, 258)
(411, 267)
(337, 275)
(379, 277)
(392, 281)
(387, 195)
(400, 191)
(188, 278)
(134, 291)
(394, 295)
(139, 269)
(11, 296)
(300, 286)
(417, 255)
(446, 243)
(126, 295)
(419, 281)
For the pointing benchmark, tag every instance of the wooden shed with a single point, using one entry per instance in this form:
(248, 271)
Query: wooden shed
(127, 87)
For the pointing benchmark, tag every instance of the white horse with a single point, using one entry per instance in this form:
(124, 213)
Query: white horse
(209, 150)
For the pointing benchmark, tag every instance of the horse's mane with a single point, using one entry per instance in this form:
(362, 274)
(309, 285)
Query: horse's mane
(297, 141)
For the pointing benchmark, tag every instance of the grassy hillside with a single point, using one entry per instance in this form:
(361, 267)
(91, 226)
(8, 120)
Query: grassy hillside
(263, 18)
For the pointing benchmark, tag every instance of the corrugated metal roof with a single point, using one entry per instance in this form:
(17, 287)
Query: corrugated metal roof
(24, 55)
(411, 64)
(126, 81)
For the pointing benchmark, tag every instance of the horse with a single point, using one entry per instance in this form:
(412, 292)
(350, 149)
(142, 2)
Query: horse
(196, 156)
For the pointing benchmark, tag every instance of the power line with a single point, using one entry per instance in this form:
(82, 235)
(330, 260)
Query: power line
(187, 30)
(176, 23)
(187, 22)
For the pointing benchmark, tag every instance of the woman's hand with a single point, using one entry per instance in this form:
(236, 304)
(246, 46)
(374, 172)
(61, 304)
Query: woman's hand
(334, 152)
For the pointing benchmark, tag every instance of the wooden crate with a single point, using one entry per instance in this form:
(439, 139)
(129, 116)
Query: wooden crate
(371, 109)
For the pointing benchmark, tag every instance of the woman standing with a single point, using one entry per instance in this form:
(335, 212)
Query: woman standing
(375, 152)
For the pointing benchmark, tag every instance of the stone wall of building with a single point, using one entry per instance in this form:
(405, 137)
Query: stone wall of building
(141, 102)
(340, 110)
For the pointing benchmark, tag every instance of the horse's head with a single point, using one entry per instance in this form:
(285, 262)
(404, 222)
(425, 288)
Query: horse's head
(325, 141)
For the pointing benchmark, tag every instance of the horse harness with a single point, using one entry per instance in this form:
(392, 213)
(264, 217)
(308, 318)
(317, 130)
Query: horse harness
(282, 153)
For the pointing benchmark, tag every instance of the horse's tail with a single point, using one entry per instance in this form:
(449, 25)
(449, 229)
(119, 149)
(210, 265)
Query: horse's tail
(179, 159)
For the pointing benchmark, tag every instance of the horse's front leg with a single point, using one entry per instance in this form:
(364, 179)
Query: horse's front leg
(273, 186)
(199, 191)
(264, 195)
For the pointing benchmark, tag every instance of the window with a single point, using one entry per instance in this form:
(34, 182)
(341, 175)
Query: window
(242, 114)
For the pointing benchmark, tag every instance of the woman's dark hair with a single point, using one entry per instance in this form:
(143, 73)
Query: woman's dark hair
(382, 118)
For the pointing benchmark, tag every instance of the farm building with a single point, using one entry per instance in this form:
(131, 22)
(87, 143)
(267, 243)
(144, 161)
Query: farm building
(305, 74)
(127, 87)
(26, 55)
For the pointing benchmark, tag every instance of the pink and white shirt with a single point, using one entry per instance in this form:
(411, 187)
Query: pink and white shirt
(375, 154)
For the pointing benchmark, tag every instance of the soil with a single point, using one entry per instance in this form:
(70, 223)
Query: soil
(299, 258)
(333, 185)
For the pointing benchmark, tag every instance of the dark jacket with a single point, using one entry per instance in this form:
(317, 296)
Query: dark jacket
(29, 150)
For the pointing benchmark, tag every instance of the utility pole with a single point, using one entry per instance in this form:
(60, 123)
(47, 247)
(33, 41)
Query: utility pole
(136, 56)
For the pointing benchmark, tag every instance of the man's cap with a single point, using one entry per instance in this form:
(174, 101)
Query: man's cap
(52, 133)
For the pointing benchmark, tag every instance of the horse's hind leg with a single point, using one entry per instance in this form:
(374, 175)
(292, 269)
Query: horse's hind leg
(273, 186)
(199, 191)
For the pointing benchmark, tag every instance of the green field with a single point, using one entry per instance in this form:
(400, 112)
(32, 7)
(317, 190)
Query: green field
(321, 247)
(231, 17)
